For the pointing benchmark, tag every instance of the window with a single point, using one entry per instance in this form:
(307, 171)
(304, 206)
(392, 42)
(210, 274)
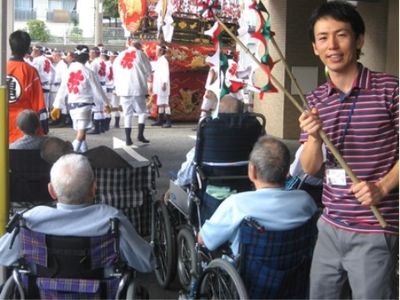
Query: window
(62, 4)
(24, 4)
(24, 10)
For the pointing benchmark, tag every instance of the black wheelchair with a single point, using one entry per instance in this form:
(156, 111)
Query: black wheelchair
(67, 267)
(271, 265)
(221, 157)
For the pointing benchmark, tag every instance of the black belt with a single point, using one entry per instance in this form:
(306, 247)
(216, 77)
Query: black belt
(78, 105)
(109, 90)
(45, 90)
(102, 83)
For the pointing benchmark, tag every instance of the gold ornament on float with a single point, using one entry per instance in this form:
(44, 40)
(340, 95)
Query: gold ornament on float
(131, 13)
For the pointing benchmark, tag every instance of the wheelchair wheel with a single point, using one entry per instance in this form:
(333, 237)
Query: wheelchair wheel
(9, 290)
(131, 291)
(187, 259)
(220, 280)
(164, 246)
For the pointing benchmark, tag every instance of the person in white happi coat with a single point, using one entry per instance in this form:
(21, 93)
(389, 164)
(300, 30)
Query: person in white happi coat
(46, 72)
(98, 66)
(84, 91)
(60, 68)
(210, 100)
(161, 87)
(132, 70)
(108, 86)
(115, 105)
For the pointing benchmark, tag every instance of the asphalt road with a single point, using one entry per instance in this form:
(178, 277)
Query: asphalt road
(171, 146)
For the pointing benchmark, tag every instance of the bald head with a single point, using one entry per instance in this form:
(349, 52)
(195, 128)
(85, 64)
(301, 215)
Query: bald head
(230, 105)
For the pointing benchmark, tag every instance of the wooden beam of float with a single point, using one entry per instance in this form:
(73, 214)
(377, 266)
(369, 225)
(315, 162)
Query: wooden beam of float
(321, 133)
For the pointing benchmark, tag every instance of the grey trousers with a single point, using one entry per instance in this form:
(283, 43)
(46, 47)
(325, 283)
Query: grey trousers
(366, 260)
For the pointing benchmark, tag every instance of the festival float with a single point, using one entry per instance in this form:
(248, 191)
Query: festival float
(182, 25)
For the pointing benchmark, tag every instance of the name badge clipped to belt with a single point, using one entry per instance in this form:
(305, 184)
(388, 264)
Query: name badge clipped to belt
(336, 177)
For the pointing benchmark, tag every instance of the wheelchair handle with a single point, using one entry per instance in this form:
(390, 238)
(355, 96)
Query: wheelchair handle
(156, 161)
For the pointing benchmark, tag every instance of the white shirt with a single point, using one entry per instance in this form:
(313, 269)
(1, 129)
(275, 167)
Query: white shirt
(81, 86)
(132, 70)
(60, 69)
(109, 75)
(98, 68)
(45, 69)
(161, 76)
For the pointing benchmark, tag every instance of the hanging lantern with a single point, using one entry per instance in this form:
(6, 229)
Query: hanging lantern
(131, 13)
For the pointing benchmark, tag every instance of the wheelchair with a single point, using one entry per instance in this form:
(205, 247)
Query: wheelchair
(271, 265)
(221, 157)
(68, 267)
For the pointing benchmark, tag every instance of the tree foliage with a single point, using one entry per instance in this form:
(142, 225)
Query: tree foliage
(111, 8)
(38, 30)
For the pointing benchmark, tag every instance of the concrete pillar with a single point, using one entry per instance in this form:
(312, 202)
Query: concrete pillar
(98, 22)
(289, 22)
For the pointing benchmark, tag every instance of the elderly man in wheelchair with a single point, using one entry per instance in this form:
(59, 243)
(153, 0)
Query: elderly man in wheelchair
(222, 148)
(245, 220)
(76, 250)
(271, 231)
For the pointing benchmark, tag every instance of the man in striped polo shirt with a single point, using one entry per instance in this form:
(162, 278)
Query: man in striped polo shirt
(358, 110)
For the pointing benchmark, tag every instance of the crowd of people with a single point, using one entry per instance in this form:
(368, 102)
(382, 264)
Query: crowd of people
(356, 107)
(85, 88)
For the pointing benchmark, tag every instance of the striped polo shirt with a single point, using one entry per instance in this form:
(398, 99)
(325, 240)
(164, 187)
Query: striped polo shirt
(364, 126)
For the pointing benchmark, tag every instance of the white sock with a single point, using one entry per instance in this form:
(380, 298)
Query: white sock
(84, 146)
(77, 145)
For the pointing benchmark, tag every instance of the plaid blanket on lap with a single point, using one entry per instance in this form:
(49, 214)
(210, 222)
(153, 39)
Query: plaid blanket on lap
(276, 264)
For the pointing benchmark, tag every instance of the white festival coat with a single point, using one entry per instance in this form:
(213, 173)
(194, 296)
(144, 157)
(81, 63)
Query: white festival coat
(132, 70)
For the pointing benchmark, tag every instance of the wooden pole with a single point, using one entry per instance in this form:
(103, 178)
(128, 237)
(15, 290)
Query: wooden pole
(321, 133)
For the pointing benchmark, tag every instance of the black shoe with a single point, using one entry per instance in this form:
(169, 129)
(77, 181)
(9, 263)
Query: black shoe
(116, 124)
(93, 131)
(143, 140)
(128, 140)
(141, 137)
(96, 129)
(159, 121)
(45, 125)
(167, 123)
(107, 122)
(102, 127)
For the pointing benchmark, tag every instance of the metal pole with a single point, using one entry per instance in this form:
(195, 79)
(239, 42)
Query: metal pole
(98, 22)
(3, 128)
(3, 121)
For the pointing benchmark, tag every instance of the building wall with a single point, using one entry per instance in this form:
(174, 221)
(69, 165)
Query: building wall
(272, 105)
(392, 51)
(299, 54)
(85, 10)
(375, 16)
(289, 22)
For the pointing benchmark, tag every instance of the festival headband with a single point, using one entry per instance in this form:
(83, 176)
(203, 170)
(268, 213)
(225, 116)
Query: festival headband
(81, 51)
